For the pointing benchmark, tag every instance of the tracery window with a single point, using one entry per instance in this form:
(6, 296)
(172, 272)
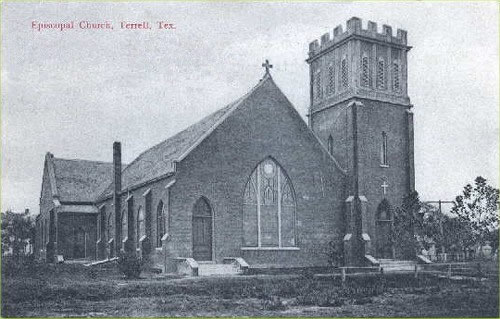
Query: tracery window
(318, 85)
(331, 79)
(396, 77)
(381, 74)
(269, 208)
(345, 78)
(160, 228)
(365, 72)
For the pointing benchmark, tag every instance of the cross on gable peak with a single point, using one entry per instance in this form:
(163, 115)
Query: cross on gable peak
(267, 66)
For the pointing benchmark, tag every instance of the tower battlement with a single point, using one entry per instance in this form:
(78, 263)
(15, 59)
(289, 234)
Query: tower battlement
(354, 28)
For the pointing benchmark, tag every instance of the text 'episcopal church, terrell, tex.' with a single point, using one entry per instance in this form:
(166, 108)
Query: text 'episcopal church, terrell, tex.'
(253, 181)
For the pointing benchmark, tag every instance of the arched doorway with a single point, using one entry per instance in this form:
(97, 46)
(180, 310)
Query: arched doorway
(202, 230)
(384, 228)
(80, 243)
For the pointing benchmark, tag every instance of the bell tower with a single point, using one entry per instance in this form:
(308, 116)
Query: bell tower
(360, 110)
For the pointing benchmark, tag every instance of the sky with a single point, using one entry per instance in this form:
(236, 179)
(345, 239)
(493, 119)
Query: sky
(74, 92)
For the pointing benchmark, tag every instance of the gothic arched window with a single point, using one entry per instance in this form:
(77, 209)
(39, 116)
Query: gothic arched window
(141, 224)
(396, 82)
(99, 219)
(383, 151)
(365, 71)
(381, 74)
(318, 85)
(331, 79)
(269, 208)
(344, 73)
(330, 145)
(124, 225)
(109, 226)
(384, 211)
(160, 228)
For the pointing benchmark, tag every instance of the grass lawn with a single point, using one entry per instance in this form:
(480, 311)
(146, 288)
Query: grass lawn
(73, 290)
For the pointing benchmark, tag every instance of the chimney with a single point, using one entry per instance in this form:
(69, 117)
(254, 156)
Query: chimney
(117, 187)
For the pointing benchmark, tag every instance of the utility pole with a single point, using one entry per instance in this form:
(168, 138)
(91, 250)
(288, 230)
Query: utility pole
(440, 202)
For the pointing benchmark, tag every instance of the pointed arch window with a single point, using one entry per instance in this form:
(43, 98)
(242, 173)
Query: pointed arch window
(396, 81)
(330, 145)
(383, 150)
(331, 79)
(109, 227)
(381, 74)
(100, 217)
(124, 225)
(318, 85)
(344, 73)
(141, 225)
(160, 227)
(269, 208)
(365, 71)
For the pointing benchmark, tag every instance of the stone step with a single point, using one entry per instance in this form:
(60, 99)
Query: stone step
(210, 269)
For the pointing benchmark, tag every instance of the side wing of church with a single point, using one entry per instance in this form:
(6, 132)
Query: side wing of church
(253, 180)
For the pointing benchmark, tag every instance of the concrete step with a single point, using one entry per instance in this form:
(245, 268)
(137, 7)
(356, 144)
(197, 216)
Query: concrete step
(211, 269)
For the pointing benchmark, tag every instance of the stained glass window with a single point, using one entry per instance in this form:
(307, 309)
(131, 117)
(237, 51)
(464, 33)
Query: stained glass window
(269, 208)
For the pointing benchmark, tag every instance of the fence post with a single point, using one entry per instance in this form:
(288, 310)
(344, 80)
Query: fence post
(479, 268)
(416, 271)
(343, 275)
(449, 270)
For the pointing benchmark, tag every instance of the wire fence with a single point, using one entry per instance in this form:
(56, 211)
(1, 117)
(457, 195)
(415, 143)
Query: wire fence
(448, 270)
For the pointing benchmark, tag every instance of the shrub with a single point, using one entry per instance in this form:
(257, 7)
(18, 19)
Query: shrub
(130, 265)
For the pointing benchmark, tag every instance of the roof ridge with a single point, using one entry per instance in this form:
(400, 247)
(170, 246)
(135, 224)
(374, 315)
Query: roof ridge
(80, 160)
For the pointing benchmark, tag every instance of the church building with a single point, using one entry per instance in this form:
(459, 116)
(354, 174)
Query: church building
(253, 180)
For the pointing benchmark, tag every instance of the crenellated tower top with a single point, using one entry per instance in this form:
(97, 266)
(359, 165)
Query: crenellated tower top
(357, 62)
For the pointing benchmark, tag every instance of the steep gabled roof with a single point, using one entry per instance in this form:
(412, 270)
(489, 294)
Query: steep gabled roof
(158, 160)
(79, 180)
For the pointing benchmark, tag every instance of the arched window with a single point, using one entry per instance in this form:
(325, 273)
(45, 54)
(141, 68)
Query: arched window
(269, 208)
(99, 217)
(141, 224)
(124, 225)
(365, 71)
(160, 226)
(384, 211)
(330, 145)
(344, 72)
(331, 79)
(381, 74)
(396, 83)
(109, 227)
(318, 85)
(383, 151)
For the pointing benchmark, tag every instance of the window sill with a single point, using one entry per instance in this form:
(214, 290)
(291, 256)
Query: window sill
(384, 165)
(270, 248)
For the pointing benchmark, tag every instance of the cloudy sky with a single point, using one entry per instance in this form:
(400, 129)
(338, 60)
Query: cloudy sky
(74, 92)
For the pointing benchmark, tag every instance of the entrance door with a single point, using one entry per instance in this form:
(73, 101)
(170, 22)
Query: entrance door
(80, 243)
(202, 230)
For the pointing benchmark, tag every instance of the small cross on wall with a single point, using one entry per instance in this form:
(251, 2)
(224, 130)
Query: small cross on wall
(267, 65)
(384, 186)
